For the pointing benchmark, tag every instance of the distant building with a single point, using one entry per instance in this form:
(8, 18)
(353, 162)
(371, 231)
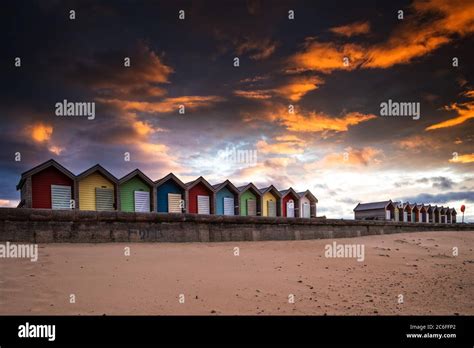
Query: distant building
(375, 211)
(308, 203)
(453, 215)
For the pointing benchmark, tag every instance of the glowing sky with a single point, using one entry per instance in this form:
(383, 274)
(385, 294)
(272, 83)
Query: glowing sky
(335, 143)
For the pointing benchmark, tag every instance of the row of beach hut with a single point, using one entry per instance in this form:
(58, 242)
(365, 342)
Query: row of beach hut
(406, 212)
(52, 186)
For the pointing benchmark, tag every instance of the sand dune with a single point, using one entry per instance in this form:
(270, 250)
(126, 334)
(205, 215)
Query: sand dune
(419, 266)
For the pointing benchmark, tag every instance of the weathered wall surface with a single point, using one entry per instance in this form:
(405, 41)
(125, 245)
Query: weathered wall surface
(75, 226)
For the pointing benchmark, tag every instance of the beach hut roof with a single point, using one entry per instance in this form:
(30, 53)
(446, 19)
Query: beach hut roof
(308, 194)
(231, 186)
(422, 207)
(191, 184)
(173, 177)
(271, 189)
(251, 187)
(101, 170)
(41, 167)
(372, 205)
(288, 191)
(140, 174)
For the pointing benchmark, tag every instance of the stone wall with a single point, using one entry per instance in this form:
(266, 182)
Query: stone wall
(75, 226)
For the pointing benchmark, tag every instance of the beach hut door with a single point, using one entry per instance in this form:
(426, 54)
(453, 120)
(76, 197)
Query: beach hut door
(104, 199)
(251, 207)
(405, 216)
(387, 215)
(290, 208)
(271, 205)
(60, 197)
(306, 210)
(228, 206)
(174, 203)
(142, 201)
(203, 205)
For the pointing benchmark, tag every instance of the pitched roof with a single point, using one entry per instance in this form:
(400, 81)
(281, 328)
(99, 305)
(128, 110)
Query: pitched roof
(193, 183)
(372, 205)
(100, 169)
(310, 196)
(244, 188)
(140, 174)
(49, 163)
(220, 186)
(288, 191)
(270, 188)
(422, 206)
(170, 176)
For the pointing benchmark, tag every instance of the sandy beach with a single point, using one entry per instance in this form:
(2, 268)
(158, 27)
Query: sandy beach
(260, 280)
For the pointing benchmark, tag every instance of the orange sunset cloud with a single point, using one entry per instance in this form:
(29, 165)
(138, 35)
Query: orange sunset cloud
(165, 105)
(468, 158)
(353, 29)
(40, 132)
(412, 39)
(320, 122)
(464, 111)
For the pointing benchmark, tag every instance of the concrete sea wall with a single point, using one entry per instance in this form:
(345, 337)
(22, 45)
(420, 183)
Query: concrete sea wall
(75, 226)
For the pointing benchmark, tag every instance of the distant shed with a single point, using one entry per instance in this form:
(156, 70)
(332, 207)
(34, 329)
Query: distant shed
(406, 212)
(250, 200)
(47, 186)
(453, 215)
(97, 189)
(307, 204)
(430, 212)
(422, 213)
(437, 214)
(136, 192)
(200, 197)
(444, 215)
(414, 212)
(226, 198)
(375, 211)
(271, 201)
(170, 195)
(290, 203)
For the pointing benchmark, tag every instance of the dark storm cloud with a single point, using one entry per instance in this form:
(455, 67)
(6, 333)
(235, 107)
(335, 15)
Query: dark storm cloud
(439, 182)
(348, 200)
(442, 182)
(107, 73)
(441, 198)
